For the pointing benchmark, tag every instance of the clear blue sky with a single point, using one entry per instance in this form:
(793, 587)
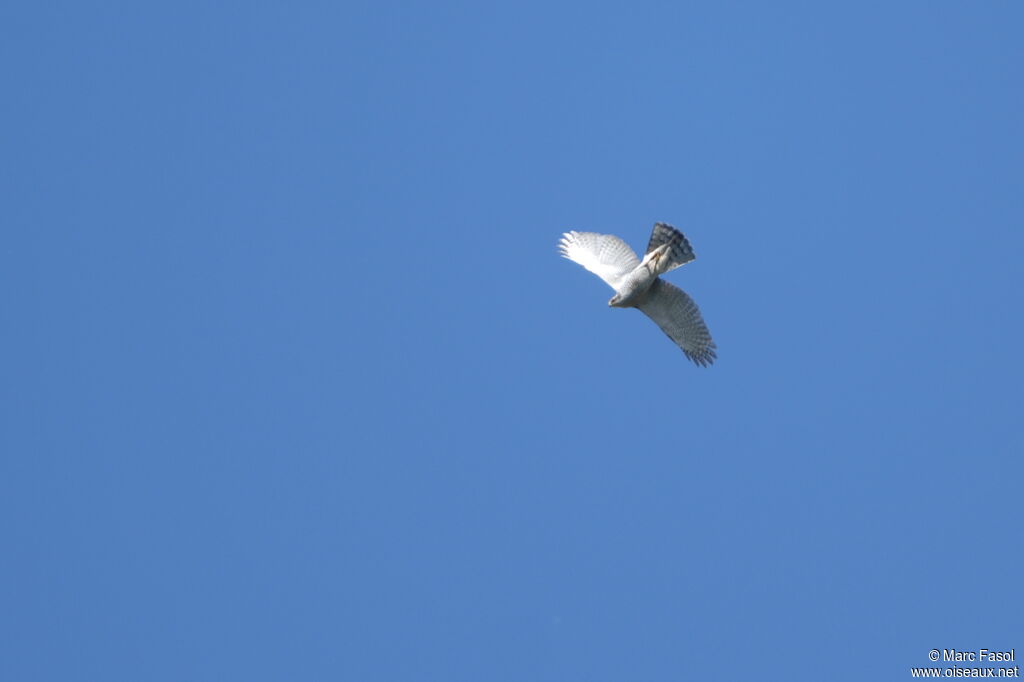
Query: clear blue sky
(296, 387)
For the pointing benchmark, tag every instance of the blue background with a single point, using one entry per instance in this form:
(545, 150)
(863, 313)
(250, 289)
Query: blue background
(296, 387)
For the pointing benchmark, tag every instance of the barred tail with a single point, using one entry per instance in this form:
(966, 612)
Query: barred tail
(679, 253)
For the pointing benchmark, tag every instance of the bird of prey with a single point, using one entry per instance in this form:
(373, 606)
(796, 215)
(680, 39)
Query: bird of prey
(638, 284)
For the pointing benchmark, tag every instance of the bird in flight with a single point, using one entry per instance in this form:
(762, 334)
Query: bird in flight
(637, 283)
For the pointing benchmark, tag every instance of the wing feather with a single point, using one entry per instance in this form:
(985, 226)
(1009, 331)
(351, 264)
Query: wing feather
(679, 317)
(605, 255)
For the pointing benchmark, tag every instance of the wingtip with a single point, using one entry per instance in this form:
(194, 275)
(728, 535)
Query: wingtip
(566, 242)
(704, 358)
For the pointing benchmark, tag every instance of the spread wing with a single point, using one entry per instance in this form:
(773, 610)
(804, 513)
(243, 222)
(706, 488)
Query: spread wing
(678, 316)
(605, 255)
(680, 251)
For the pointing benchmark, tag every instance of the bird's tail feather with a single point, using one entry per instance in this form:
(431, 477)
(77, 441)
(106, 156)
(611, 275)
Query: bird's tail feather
(679, 253)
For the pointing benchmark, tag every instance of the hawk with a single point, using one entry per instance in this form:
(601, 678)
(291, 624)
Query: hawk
(638, 284)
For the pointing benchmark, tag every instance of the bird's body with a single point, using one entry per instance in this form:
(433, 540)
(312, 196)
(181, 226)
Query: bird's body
(638, 283)
(634, 286)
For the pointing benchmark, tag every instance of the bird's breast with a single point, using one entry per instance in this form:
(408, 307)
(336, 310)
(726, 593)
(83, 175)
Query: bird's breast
(634, 288)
